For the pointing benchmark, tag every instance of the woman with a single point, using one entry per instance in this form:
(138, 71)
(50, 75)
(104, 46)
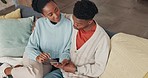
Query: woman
(50, 40)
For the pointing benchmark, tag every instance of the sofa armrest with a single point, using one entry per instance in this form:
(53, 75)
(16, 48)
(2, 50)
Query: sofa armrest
(128, 57)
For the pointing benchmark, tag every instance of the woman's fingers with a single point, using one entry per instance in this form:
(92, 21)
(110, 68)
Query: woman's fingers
(47, 55)
(43, 57)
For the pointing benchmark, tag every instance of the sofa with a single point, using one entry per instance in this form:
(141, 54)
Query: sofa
(128, 56)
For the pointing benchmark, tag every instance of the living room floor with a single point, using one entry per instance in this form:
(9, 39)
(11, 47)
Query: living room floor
(128, 16)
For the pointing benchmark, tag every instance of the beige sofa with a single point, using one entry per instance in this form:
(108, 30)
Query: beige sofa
(128, 57)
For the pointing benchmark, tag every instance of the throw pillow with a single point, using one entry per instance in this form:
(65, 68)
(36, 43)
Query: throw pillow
(14, 35)
(14, 14)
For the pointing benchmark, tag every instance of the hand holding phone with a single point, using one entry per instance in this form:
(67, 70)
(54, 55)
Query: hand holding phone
(43, 57)
(53, 62)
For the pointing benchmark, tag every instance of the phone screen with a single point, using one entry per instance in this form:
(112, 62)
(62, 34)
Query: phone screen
(51, 61)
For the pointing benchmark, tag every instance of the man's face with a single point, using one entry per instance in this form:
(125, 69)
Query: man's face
(52, 12)
(80, 23)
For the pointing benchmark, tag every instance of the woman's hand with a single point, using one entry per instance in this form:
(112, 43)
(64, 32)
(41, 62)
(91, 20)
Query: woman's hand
(43, 57)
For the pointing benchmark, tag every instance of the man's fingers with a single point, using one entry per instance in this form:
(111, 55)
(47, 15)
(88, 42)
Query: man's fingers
(64, 62)
(57, 65)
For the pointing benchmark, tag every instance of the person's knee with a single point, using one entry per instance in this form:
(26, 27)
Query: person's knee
(26, 72)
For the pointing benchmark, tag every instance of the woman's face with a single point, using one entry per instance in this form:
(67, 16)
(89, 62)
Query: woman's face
(52, 12)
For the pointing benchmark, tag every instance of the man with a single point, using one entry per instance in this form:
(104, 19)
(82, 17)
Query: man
(51, 39)
(90, 44)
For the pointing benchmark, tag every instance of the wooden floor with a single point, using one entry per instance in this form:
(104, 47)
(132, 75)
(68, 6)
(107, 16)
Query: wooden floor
(128, 16)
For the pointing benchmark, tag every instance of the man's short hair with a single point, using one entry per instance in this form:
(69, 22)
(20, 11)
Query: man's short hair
(85, 9)
(38, 5)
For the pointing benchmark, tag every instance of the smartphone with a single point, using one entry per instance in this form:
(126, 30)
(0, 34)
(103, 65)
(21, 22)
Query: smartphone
(52, 61)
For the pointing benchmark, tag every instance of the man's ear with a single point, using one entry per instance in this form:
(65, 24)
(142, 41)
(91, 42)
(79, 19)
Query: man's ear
(90, 21)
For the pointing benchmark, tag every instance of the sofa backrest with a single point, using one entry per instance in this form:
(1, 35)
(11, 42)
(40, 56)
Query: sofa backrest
(110, 34)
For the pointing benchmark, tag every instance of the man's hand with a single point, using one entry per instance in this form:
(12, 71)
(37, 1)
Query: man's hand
(64, 62)
(61, 65)
(66, 65)
(70, 67)
(43, 57)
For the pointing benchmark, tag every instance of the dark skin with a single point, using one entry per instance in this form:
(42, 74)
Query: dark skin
(79, 24)
(52, 12)
(85, 25)
(8, 70)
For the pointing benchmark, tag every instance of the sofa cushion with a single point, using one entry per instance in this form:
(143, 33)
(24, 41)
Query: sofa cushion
(128, 57)
(146, 75)
(14, 14)
(14, 35)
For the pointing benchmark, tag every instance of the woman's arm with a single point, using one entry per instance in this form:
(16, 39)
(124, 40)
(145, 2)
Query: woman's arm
(32, 49)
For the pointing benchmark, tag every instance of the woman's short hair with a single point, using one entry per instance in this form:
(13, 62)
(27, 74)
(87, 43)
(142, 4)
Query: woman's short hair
(38, 5)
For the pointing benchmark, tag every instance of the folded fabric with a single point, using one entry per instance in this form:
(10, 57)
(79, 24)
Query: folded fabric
(11, 60)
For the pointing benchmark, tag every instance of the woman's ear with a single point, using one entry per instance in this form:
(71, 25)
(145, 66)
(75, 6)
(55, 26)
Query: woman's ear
(42, 15)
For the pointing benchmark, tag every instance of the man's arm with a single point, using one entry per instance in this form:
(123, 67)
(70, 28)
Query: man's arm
(101, 56)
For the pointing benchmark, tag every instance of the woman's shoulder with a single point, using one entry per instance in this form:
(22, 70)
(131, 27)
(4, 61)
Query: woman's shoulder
(42, 19)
